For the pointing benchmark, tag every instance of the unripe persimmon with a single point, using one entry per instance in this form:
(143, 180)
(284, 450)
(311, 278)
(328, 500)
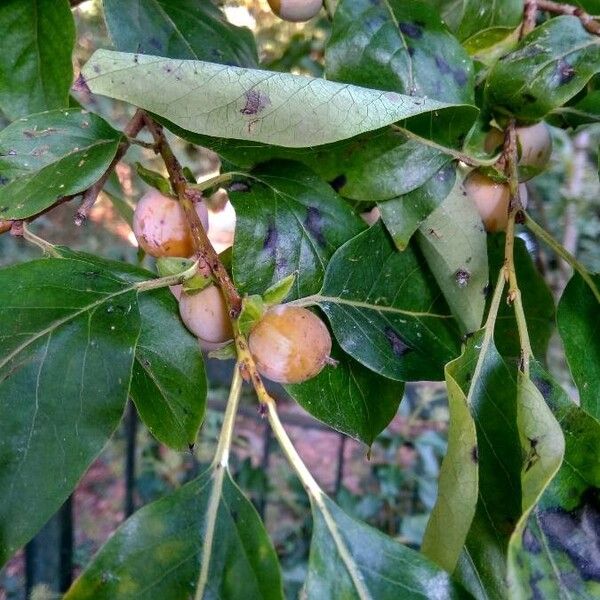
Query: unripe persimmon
(491, 199)
(534, 148)
(290, 344)
(160, 225)
(205, 315)
(296, 10)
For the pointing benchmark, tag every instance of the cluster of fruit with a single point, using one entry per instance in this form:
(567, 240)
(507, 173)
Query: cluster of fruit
(289, 344)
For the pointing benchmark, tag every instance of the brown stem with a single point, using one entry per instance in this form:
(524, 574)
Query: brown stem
(187, 197)
(529, 16)
(5, 226)
(91, 194)
(16, 228)
(558, 8)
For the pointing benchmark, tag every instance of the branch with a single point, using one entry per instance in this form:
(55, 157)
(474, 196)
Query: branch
(586, 19)
(91, 194)
(529, 17)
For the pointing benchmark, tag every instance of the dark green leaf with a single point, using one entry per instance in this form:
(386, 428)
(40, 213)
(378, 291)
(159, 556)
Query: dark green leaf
(587, 110)
(154, 179)
(484, 23)
(49, 155)
(386, 310)
(349, 560)
(168, 384)
(157, 552)
(402, 216)
(555, 554)
(350, 398)
(454, 243)
(547, 69)
(36, 71)
(262, 106)
(288, 222)
(179, 29)
(399, 45)
(538, 303)
(66, 353)
(579, 328)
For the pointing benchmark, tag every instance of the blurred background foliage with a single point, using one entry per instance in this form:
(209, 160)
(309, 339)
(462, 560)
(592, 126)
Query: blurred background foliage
(392, 485)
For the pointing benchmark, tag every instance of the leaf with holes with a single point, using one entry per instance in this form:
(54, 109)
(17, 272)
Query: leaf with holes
(554, 553)
(386, 309)
(250, 104)
(158, 551)
(548, 67)
(288, 222)
(399, 45)
(66, 354)
(47, 156)
(579, 329)
(349, 559)
(179, 29)
(168, 384)
(454, 244)
(36, 71)
(350, 398)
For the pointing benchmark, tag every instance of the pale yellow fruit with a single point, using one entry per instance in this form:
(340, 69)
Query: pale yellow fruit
(296, 10)
(491, 199)
(534, 146)
(205, 315)
(290, 344)
(160, 225)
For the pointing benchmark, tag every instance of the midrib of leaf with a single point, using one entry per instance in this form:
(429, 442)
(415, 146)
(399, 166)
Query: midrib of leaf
(61, 322)
(172, 23)
(345, 554)
(411, 76)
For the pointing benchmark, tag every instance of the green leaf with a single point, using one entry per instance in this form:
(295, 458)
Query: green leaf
(288, 222)
(454, 243)
(253, 308)
(36, 71)
(491, 390)
(349, 398)
(549, 66)
(49, 155)
(386, 310)
(276, 108)
(586, 110)
(279, 291)
(399, 45)
(154, 179)
(66, 354)
(453, 512)
(168, 383)
(555, 553)
(179, 29)
(156, 553)
(349, 560)
(579, 330)
(489, 21)
(402, 216)
(538, 302)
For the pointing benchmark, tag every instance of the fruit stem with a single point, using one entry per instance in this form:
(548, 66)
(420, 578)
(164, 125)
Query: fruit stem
(510, 155)
(161, 282)
(561, 251)
(219, 465)
(187, 196)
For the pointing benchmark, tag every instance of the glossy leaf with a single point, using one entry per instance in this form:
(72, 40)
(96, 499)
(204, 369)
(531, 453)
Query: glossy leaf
(399, 45)
(578, 326)
(276, 108)
(66, 354)
(491, 389)
(386, 310)
(454, 244)
(36, 71)
(168, 384)
(453, 512)
(555, 554)
(288, 222)
(156, 553)
(179, 29)
(547, 69)
(349, 559)
(484, 23)
(49, 155)
(538, 303)
(350, 398)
